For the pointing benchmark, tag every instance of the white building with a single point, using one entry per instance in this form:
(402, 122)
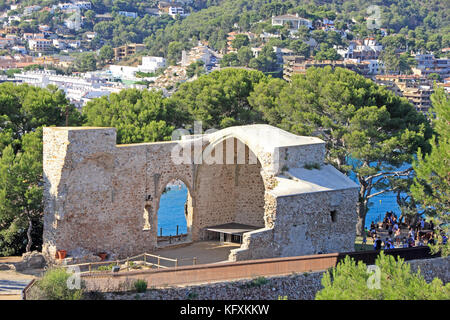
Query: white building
(20, 49)
(123, 72)
(368, 49)
(82, 5)
(174, 11)
(151, 64)
(40, 44)
(375, 66)
(79, 90)
(128, 14)
(294, 20)
(30, 9)
(85, 5)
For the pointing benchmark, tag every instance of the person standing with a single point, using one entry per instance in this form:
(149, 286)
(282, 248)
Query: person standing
(377, 244)
(397, 234)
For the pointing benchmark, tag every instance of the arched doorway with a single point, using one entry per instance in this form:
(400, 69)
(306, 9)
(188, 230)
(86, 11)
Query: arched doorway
(173, 213)
(229, 193)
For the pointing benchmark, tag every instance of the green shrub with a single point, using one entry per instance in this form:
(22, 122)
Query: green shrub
(192, 295)
(54, 286)
(259, 281)
(106, 267)
(310, 166)
(395, 281)
(140, 285)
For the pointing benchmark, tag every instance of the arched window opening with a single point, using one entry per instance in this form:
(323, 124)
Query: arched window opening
(147, 218)
(172, 209)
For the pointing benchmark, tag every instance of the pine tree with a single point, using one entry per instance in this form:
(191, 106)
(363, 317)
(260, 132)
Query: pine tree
(432, 184)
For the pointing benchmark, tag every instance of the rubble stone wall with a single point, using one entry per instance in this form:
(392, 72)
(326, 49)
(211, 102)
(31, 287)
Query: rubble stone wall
(103, 197)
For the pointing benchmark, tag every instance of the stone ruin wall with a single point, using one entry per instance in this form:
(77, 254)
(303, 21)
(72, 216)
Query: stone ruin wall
(104, 197)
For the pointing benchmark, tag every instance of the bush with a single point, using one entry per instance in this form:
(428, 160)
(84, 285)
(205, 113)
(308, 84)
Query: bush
(140, 285)
(257, 282)
(106, 267)
(53, 286)
(352, 281)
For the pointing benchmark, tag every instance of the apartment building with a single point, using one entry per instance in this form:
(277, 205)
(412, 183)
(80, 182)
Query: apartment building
(415, 88)
(367, 49)
(127, 50)
(299, 65)
(427, 64)
(40, 44)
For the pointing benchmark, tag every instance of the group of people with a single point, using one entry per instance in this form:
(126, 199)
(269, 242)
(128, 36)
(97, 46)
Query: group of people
(391, 224)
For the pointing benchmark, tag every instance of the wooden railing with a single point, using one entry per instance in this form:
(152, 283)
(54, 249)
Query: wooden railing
(148, 259)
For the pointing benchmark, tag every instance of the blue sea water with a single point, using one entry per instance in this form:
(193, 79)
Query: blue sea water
(379, 205)
(171, 209)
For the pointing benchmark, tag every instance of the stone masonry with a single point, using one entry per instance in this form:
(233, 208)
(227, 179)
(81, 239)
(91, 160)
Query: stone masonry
(104, 197)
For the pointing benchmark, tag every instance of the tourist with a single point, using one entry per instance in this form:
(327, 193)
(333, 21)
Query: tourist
(397, 234)
(405, 242)
(431, 239)
(431, 225)
(373, 230)
(390, 229)
(422, 224)
(417, 228)
(387, 244)
(444, 238)
(421, 243)
(411, 242)
(377, 244)
(411, 233)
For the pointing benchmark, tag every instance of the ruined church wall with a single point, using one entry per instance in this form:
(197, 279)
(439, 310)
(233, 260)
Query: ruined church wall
(96, 192)
(302, 225)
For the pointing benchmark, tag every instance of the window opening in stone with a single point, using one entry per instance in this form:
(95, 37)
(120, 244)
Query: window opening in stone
(172, 209)
(147, 215)
(333, 215)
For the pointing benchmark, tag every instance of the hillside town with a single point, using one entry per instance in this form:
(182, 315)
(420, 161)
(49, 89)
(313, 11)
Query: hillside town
(35, 57)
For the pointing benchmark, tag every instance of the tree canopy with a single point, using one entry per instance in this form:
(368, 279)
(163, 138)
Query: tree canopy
(367, 128)
(432, 183)
(220, 99)
(139, 116)
(23, 111)
(391, 279)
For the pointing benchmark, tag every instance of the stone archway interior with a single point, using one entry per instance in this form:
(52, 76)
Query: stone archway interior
(229, 192)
